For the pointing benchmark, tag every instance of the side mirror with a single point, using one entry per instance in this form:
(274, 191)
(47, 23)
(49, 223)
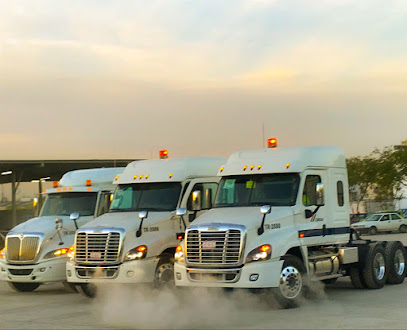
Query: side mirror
(207, 201)
(265, 209)
(196, 201)
(58, 224)
(74, 216)
(319, 190)
(181, 211)
(143, 214)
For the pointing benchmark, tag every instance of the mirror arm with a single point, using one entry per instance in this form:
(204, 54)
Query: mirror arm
(183, 222)
(138, 233)
(76, 225)
(316, 210)
(260, 230)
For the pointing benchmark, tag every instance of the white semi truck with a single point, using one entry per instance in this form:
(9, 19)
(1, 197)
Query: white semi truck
(135, 241)
(280, 220)
(36, 251)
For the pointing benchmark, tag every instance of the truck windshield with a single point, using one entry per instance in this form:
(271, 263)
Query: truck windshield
(257, 190)
(146, 197)
(70, 202)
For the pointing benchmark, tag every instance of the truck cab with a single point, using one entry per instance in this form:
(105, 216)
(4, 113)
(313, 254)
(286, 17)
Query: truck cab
(280, 218)
(36, 250)
(135, 241)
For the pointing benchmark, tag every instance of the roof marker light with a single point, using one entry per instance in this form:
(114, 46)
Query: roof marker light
(272, 143)
(244, 168)
(70, 188)
(251, 168)
(163, 154)
(63, 189)
(259, 167)
(170, 176)
(89, 189)
(287, 165)
(221, 169)
(147, 175)
(54, 184)
(88, 183)
(135, 177)
(141, 176)
(116, 177)
(59, 189)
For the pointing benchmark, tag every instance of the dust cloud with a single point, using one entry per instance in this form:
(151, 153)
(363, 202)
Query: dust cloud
(126, 306)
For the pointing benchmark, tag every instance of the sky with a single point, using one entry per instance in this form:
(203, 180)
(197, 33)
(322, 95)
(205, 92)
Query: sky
(124, 79)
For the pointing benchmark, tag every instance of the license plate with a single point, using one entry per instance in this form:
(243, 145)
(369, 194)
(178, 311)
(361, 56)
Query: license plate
(209, 244)
(95, 255)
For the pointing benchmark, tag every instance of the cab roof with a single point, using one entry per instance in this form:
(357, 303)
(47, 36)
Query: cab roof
(283, 160)
(169, 170)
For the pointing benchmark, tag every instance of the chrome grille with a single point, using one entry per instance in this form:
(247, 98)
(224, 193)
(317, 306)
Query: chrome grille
(214, 247)
(22, 248)
(98, 247)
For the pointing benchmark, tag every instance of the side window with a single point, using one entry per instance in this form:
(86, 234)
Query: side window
(395, 217)
(309, 196)
(104, 203)
(207, 189)
(386, 217)
(339, 190)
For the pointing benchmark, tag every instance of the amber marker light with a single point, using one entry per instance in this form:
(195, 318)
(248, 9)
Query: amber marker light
(147, 176)
(59, 189)
(135, 177)
(44, 191)
(272, 143)
(244, 168)
(265, 248)
(88, 183)
(70, 189)
(259, 167)
(287, 165)
(301, 235)
(89, 189)
(63, 189)
(170, 176)
(251, 168)
(221, 169)
(141, 176)
(54, 184)
(163, 154)
(117, 177)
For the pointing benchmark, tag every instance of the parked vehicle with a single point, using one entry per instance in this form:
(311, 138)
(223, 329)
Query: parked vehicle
(381, 222)
(135, 241)
(36, 251)
(281, 220)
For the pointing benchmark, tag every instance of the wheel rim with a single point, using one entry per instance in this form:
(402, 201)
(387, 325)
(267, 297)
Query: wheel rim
(165, 275)
(290, 282)
(379, 266)
(399, 262)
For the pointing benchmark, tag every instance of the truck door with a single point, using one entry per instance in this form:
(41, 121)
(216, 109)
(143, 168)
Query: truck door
(313, 230)
(207, 189)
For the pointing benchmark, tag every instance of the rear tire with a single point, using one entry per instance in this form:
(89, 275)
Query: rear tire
(291, 288)
(164, 273)
(356, 277)
(374, 272)
(88, 290)
(372, 231)
(23, 287)
(395, 262)
(402, 229)
(69, 287)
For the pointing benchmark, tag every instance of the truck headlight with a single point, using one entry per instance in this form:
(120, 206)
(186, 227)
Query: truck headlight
(71, 252)
(2, 253)
(179, 254)
(62, 252)
(139, 252)
(262, 252)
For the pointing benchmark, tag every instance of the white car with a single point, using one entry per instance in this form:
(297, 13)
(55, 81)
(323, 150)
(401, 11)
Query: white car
(377, 222)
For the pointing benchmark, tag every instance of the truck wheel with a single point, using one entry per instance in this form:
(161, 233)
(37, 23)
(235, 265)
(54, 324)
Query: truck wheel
(402, 229)
(290, 290)
(374, 272)
(356, 277)
(87, 289)
(372, 231)
(69, 287)
(395, 262)
(23, 287)
(164, 273)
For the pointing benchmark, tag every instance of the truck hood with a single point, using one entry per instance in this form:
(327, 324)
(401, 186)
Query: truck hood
(127, 220)
(46, 225)
(250, 217)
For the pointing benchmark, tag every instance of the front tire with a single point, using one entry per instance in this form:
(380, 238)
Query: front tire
(402, 229)
(23, 287)
(164, 273)
(372, 231)
(395, 262)
(291, 288)
(374, 272)
(88, 290)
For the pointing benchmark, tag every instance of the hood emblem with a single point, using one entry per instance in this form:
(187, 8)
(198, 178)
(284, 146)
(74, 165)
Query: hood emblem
(213, 228)
(21, 236)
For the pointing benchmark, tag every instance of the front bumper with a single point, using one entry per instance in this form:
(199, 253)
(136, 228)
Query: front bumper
(43, 272)
(137, 271)
(263, 274)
